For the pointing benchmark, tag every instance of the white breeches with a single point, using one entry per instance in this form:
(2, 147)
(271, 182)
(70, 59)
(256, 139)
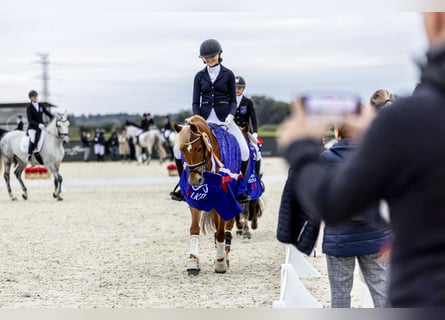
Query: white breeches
(32, 135)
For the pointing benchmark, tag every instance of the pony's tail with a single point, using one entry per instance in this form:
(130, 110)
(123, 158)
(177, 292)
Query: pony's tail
(207, 223)
(261, 206)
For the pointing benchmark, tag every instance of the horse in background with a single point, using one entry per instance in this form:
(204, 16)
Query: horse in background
(146, 140)
(14, 150)
(168, 140)
(201, 150)
(254, 208)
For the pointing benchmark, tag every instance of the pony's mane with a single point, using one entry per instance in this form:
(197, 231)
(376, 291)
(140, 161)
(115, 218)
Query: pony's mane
(185, 135)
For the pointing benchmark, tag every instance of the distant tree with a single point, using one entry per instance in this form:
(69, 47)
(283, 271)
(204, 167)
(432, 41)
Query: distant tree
(180, 117)
(270, 111)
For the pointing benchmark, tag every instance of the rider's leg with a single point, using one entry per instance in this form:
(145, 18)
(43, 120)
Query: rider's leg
(32, 139)
(176, 194)
(244, 148)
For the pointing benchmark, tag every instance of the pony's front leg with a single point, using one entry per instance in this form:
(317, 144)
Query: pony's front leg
(57, 182)
(220, 236)
(193, 260)
(139, 154)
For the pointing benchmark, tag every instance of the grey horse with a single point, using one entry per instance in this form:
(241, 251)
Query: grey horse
(52, 152)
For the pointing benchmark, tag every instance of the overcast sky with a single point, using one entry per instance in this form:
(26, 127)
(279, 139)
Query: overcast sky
(108, 58)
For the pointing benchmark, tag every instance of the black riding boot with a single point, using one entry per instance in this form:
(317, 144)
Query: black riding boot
(30, 150)
(244, 197)
(176, 194)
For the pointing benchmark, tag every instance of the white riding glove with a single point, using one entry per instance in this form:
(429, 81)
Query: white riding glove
(41, 126)
(255, 135)
(229, 120)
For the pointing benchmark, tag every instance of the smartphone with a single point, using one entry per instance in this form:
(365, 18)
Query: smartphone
(331, 104)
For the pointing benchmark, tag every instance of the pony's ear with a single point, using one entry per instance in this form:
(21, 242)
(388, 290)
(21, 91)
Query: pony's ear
(177, 127)
(194, 128)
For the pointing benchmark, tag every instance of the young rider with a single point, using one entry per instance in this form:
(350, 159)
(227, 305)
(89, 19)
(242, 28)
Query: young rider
(34, 113)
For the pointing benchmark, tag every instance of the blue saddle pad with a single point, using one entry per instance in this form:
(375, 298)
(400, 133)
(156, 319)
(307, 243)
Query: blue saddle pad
(253, 183)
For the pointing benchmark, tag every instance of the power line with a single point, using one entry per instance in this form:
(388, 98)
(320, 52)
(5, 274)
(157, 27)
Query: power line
(44, 61)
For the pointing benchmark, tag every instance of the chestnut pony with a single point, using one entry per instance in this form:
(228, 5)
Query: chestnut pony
(198, 145)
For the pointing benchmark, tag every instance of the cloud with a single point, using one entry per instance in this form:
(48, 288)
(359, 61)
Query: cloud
(113, 59)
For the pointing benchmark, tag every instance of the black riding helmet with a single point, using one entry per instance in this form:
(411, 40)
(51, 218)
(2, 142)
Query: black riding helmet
(239, 82)
(209, 48)
(32, 93)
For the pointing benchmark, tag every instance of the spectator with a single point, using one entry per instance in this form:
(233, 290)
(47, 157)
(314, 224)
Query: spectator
(386, 166)
(85, 139)
(124, 148)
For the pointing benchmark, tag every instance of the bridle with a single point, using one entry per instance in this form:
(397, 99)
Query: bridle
(193, 167)
(59, 135)
(207, 146)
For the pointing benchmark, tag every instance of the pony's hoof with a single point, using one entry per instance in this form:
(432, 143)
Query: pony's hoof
(247, 235)
(239, 232)
(54, 195)
(254, 224)
(193, 267)
(25, 197)
(59, 198)
(193, 272)
(221, 266)
(14, 198)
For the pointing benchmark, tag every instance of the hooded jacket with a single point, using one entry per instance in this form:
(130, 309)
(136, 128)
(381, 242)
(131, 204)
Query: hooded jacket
(361, 234)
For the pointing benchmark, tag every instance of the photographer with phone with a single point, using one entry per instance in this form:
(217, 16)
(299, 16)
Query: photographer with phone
(409, 175)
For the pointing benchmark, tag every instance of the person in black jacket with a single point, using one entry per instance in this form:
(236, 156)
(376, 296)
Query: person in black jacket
(34, 113)
(214, 98)
(20, 125)
(245, 116)
(408, 173)
(360, 237)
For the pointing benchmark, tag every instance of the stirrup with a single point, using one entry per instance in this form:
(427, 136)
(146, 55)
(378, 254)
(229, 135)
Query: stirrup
(243, 198)
(177, 194)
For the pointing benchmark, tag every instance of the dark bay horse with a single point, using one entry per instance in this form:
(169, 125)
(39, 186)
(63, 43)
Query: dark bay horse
(201, 149)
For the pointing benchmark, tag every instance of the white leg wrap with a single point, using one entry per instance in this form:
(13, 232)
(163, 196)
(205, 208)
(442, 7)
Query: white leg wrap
(194, 245)
(220, 250)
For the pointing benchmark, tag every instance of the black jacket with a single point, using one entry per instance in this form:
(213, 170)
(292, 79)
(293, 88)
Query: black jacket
(19, 126)
(245, 115)
(36, 117)
(219, 95)
(401, 158)
(294, 225)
